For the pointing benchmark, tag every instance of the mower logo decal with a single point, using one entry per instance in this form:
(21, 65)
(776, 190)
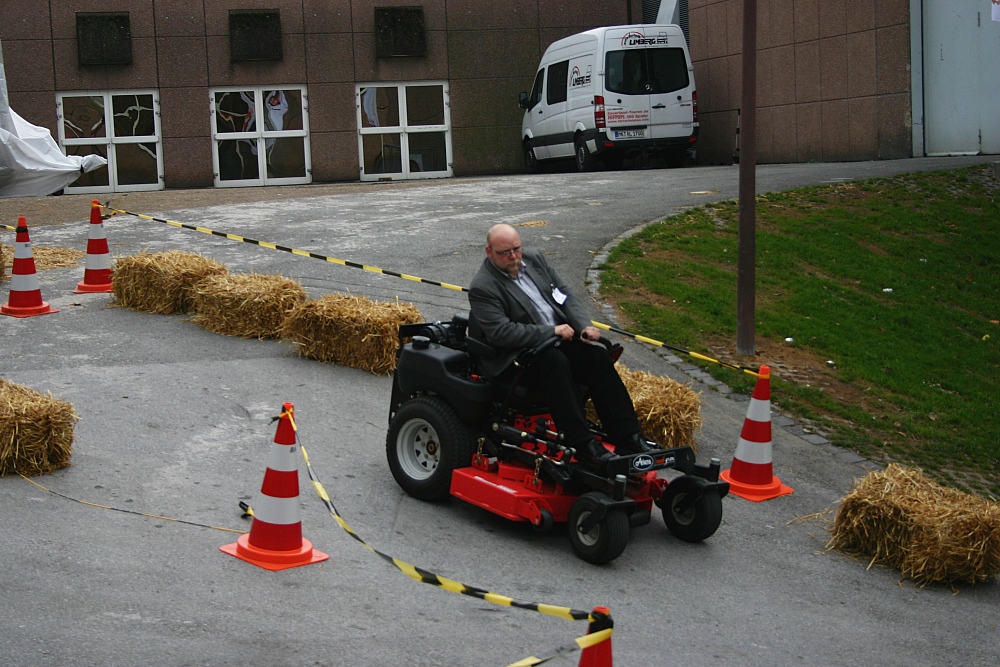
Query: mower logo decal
(643, 462)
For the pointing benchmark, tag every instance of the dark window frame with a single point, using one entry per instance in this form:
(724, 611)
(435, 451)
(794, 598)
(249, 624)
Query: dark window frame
(400, 32)
(642, 63)
(536, 89)
(255, 35)
(103, 38)
(557, 88)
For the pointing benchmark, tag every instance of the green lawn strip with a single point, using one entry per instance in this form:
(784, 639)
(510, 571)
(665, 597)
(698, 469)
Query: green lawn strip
(893, 280)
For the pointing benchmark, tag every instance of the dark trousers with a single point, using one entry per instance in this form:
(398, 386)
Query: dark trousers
(557, 374)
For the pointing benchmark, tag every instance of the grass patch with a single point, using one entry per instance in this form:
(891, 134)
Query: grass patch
(888, 289)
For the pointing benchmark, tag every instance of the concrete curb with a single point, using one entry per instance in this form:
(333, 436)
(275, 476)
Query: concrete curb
(783, 422)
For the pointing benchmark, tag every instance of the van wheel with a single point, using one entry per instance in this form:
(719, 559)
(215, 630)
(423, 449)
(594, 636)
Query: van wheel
(530, 161)
(584, 160)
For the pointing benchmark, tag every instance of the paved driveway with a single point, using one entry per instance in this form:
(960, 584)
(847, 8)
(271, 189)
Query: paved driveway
(175, 421)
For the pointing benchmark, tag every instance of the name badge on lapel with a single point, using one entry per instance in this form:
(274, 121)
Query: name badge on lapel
(558, 296)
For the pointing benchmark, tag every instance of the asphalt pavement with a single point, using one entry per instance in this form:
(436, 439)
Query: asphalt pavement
(176, 421)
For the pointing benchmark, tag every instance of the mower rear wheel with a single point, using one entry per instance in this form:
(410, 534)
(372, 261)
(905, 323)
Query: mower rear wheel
(691, 514)
(607, 539)
(425, 443)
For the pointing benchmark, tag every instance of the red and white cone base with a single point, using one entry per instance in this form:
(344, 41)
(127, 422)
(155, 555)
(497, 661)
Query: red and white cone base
(751, 475)
(25, 294)
(275, 539)
(97, 274)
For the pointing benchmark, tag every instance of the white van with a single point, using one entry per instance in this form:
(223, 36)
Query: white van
(612, 92)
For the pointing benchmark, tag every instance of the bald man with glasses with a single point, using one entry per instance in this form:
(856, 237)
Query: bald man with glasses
(518, 301)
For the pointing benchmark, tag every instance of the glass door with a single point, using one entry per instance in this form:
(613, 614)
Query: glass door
(260, 136)
(404, 130)
(123, 127)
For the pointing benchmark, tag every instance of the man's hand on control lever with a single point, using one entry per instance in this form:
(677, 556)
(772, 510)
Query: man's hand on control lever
(566, 332)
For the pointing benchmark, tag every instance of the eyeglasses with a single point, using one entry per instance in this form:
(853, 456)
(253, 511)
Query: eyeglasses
(507, 253)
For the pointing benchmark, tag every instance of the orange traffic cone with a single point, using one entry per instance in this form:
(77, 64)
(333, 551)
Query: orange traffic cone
(97, 275)
(25, 295)
(751, 475)
(598, 655)
(275, 539)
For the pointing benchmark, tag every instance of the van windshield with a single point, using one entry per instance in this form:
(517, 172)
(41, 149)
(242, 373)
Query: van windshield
(645, 71)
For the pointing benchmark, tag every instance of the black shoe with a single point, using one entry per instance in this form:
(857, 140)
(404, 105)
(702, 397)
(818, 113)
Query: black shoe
(593, 454)
(636, 444)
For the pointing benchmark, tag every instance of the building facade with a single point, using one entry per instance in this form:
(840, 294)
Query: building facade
(200, 93)
(851, 79)
(191, 105)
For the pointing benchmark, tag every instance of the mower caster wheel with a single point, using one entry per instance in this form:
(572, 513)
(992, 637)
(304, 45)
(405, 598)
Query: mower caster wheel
(606, 539)
(545, 524)
(691, 512)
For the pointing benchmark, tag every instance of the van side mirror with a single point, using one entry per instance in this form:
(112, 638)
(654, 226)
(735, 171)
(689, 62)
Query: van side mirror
(522, 100)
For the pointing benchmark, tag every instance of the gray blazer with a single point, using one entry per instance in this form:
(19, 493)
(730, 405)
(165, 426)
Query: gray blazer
(504, 317)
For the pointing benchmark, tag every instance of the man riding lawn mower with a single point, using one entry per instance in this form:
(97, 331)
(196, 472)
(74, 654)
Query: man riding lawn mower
(491, 411)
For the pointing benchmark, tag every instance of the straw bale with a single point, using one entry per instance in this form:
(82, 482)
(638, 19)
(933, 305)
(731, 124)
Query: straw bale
(250, 305)
(161, 282)
(46, 257)
(36, 431)
(349, 330)
(669, 412)
(903, 519)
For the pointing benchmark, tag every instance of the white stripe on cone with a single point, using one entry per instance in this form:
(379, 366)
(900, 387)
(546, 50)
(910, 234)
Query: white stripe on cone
(283, 458)
(281, 511)
(759, 411)
(757, 453)
(20, 282)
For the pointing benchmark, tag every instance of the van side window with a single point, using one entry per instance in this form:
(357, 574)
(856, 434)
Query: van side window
(536, 89)
(556, 91)
(645, 71)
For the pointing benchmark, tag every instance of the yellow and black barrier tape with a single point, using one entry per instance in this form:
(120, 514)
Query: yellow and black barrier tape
(294, 251)
(657, 343)
(9, 228)
(426, 577)
(404, 276)
(417, 573)
(577, 644)
(125, 511)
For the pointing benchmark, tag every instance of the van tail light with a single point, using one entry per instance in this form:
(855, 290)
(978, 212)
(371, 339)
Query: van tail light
(694, 105)
(599, 118)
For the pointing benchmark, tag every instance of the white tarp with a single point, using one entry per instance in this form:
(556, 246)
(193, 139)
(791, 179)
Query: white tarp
(31, 164)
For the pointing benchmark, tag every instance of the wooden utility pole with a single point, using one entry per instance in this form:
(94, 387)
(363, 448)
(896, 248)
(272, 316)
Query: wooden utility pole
(747, 251)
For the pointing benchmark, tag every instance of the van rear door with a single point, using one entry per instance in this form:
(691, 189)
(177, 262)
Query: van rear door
(670, 94)
(626, 98)
(647, 84)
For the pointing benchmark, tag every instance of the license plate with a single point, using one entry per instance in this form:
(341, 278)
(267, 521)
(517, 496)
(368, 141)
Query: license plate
(630, 134)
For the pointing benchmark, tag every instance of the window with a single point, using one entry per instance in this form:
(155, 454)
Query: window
(399, 31)
(123, 127)
(260, 136)
(103, 38)
(556, 91)
(646, 71)
(254, 34)
(405, 119)
(536, 90)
